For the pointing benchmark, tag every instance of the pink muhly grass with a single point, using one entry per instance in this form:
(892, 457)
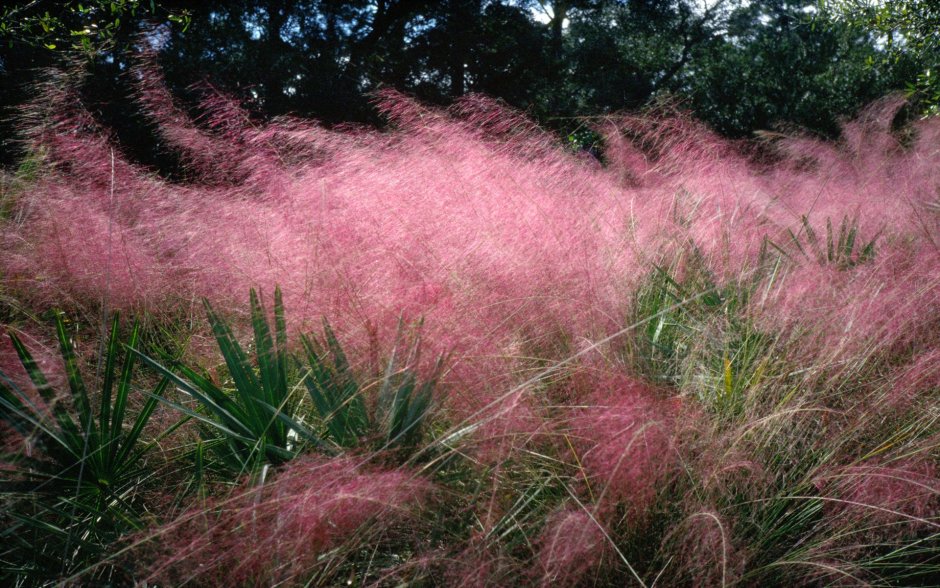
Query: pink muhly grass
(878, 307)
(705, 552)
(886, 500)
(674, 140)
(215, 160)
(349, 239)
(471, 218)
(626, 449)
(871, 180)
(475, 565)
(277, 532)
(867, 173)
(571, 547)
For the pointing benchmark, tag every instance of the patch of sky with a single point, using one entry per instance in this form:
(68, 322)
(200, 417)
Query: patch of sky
(417, 26)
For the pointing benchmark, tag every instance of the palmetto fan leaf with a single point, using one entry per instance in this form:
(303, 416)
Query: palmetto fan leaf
(253, 420)
(75, 494)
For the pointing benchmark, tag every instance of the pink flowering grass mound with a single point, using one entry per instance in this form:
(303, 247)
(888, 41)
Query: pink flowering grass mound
(572, 545)
(626, 438)
(659, 364)
(885, 500)
(278, 531)
(472, 218)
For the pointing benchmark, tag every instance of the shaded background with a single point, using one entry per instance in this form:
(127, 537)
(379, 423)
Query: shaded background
(739, 66)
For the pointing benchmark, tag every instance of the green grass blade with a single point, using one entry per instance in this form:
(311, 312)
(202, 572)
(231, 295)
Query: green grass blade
(335, 395)
(205, 386)
(32, 369)
(847, 238)
(230, 423)
(14, 412)
(399, 407)
(281, 392)
(128, 442)
(28, 421)
(228, 432)
(387, 390)
(868, 251)
(76, 384)
(123, 391)
(264, 350)
(129, 461)
(280, 333)
(339, 356)
(317, 380)
(274, 389)
(813, 241)
(246, 385)
(796, 242)
(302, 431)
(354, 418)
(107, 385)
(70, 433)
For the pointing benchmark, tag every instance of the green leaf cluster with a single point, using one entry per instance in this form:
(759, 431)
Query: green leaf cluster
(74, 491)
(694, 335)
(259, 418)
(400, 407)
(248, 424)
(82, 26)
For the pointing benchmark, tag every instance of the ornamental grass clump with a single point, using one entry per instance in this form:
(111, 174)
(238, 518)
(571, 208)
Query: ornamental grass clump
(572, 546)
(700, 362)
(307, 523)
(624, 434)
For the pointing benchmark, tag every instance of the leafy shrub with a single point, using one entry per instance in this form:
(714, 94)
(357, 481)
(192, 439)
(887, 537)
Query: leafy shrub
(262, 421)
(75, 490)
(400, 407)
(251, 426)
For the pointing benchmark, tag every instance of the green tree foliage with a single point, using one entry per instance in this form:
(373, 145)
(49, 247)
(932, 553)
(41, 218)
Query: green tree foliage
(38, 34)
(909, 31)
(740, 66)
(77, 25)
(783, 62)
(621, 54)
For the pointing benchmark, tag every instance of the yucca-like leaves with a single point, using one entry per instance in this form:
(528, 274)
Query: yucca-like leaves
(253, 420)
(75, 495)
(398, 411)
(334, 391)
(842, 249)
(403, 403)
(100, 446)
(257, 422)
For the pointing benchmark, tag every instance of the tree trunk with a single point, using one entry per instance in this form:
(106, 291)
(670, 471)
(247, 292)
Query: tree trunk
(559, 14)
(462, 18)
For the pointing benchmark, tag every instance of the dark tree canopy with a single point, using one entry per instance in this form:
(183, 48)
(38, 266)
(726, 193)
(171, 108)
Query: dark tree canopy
(739, 66)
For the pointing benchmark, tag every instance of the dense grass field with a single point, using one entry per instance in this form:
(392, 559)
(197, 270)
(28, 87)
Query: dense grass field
(456, 353)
